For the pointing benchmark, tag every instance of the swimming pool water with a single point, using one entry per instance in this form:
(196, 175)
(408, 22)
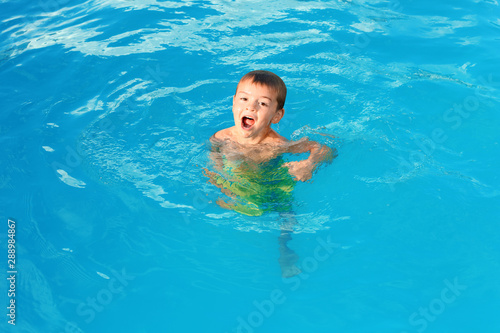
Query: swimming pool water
(106, 111)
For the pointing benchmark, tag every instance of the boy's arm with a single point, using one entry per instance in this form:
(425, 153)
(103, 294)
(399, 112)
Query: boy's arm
(302, 170)
(214, 154)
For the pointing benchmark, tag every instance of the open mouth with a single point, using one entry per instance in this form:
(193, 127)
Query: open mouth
(247, 122)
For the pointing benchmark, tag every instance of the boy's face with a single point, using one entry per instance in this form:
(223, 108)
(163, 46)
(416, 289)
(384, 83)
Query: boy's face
(254, 109)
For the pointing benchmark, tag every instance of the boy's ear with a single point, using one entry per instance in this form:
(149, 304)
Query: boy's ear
(277, 116)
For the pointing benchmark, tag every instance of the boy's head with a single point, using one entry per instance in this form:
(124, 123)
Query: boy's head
(268, 79)
(258, 103)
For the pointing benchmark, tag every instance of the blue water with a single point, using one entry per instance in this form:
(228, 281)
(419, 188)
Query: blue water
(106, 109)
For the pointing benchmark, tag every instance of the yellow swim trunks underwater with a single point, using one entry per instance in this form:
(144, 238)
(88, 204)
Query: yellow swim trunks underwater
(254, 188)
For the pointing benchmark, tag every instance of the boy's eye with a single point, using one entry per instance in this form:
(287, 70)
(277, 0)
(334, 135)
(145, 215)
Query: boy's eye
(263, 103)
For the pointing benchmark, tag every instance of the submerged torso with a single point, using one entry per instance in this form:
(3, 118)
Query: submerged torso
(255, 186)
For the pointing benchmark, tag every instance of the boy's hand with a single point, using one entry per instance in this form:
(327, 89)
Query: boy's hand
(300, 170)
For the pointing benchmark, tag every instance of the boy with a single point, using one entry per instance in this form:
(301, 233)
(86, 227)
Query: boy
(248, 157)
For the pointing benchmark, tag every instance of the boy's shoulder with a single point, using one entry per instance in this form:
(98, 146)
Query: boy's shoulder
(227, 134)
(223, 134)
(224, 141)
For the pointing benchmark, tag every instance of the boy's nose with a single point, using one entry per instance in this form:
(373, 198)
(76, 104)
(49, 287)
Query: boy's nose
(252, 105)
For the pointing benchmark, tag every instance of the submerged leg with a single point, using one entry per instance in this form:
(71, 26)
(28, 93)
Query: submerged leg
(288, 258)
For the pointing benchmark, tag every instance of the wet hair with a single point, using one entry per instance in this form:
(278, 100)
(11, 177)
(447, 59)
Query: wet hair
(270, 80)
